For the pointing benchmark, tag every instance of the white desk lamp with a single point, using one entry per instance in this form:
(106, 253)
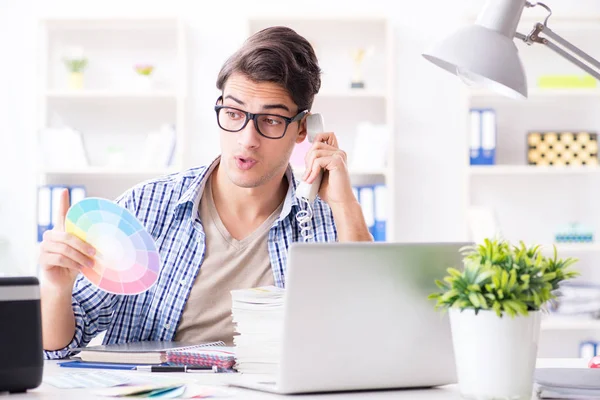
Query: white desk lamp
(484, 53)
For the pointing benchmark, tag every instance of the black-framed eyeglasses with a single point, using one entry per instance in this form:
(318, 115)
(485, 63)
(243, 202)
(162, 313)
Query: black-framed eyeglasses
(271, 126)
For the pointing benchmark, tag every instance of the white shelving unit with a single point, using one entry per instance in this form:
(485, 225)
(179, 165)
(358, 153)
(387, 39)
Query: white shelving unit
(538, 93)
(342, 107)
(555, 323)
(531, 203)
(531, 170)
(109, 94)
(111, 110)
(107, 171)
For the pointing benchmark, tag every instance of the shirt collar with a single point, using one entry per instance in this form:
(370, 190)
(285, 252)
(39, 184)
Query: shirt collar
(290, 197)
(194, 193)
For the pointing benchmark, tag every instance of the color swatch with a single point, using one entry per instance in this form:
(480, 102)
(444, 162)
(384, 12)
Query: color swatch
(126, 260)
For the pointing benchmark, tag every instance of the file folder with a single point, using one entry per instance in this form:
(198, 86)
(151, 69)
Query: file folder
(366, 196)
(482, 138)
(48, 204)
(44, 214)
(488, 137)
(77, 193)
(380, 213)
(55, 203)
(474, 136)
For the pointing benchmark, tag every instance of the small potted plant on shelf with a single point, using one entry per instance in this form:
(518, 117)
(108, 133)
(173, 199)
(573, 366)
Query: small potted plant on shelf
(76, 64)
(495, 306)
(144, 74)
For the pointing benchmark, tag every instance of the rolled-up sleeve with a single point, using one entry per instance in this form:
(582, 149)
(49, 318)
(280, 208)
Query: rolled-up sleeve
(93, 308)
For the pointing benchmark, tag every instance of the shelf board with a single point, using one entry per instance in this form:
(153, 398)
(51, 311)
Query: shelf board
(351, 93)
(562, 323)
(352, 171)
(539, 93)
(124, 23)
(356, 171)
(109, 94)
(308, 16)
(104, 171)
(531, 170)
(573, 248)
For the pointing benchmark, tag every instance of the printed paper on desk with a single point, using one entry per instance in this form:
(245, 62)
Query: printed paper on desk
(147, 390)
(78, 380)
(196, 391)
(103, 379)
(174, 393)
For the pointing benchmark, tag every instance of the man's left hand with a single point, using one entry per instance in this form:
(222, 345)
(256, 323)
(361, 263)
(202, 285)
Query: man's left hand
(325, 155)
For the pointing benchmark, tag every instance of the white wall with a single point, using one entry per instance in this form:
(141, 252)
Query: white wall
(430, 105)
(17, 118)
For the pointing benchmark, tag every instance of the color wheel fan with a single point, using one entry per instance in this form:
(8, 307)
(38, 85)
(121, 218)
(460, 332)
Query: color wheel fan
(126, 261)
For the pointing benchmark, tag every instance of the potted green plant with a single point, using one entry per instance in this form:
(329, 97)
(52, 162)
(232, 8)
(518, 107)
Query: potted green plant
(76, 65)
(495, 305)
(144, 76)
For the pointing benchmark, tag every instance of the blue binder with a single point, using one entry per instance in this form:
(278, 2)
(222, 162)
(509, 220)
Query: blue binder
(482, 140)
(48, 201)
(373, 201)
(380, 213)
(44, 213)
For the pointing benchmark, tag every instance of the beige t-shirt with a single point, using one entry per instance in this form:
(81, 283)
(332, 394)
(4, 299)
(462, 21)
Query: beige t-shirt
(228, 264)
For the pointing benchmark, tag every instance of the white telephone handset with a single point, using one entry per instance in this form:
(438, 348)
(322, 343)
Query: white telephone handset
(306, 192)
(314, 126)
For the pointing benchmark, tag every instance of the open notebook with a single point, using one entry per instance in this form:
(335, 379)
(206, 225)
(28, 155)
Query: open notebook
(137, 352)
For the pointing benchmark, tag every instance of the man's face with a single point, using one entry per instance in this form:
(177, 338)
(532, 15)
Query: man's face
(250, 159)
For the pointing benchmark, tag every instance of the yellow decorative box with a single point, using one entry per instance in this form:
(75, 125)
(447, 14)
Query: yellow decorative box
(567, 81)
(562, 148)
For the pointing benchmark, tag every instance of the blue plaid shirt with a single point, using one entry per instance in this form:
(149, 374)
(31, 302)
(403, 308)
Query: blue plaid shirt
(168, 208)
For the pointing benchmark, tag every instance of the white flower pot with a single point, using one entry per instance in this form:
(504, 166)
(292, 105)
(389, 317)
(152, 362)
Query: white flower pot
(75, 81)
(495, 357)
(144, 82)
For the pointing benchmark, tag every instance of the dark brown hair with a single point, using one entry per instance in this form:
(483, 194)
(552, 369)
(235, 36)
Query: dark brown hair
(279, 55)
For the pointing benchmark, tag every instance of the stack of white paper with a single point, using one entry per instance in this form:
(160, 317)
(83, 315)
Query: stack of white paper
(577, 299)
(567, 383)
(258, 321)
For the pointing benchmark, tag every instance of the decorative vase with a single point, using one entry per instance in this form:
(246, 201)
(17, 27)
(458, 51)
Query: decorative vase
(495, 356)
(76, 81)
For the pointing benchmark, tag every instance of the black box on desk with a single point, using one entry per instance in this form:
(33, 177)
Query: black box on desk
(21, 353)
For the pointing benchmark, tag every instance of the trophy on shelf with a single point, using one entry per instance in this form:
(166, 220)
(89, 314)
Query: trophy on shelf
(358, 55)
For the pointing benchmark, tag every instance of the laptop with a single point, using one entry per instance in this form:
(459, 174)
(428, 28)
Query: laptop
(357, 317)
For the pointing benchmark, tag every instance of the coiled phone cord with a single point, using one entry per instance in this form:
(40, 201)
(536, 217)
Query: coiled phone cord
(304, 218)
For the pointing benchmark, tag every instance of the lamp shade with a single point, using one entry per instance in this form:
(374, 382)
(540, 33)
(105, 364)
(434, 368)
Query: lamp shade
(484, 57)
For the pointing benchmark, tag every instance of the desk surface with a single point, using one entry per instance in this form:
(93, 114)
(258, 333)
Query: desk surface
(46, 391)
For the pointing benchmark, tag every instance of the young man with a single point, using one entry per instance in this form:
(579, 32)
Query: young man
(220, 227)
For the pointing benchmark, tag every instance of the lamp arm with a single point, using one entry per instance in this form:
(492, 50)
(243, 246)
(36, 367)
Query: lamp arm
(534, 37)
(553, 35)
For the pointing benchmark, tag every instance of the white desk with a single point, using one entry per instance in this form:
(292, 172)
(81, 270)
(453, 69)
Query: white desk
(450, 392)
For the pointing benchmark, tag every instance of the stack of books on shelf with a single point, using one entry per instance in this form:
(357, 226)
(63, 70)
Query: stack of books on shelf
(258, 322)
(577, 299)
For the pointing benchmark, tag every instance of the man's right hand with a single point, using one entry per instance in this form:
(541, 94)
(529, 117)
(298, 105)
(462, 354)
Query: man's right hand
(63, 255)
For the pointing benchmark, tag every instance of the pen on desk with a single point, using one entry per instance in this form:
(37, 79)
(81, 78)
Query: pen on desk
(177, 368)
